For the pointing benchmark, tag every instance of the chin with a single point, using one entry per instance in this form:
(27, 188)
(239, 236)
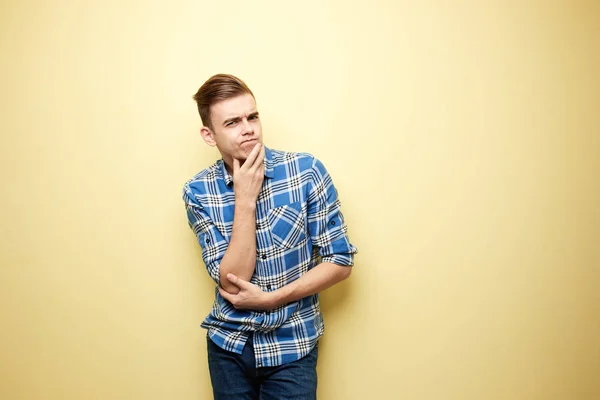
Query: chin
(247, 149)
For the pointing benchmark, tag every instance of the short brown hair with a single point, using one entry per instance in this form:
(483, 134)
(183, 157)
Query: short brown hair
(218, 88)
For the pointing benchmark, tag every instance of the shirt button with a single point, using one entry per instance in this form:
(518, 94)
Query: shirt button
(268, 287)
(332, 222)
(259, 364)
(207, 240)
(263, 256)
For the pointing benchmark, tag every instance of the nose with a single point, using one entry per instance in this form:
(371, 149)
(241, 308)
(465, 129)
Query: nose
(248, 129)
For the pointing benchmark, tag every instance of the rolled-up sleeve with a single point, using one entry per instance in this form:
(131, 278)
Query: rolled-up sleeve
(211, 241)
(326, 225)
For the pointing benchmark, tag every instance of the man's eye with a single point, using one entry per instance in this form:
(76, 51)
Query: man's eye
(252, 117)
(230, 123)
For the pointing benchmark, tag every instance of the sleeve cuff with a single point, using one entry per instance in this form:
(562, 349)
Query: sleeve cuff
(345, 260)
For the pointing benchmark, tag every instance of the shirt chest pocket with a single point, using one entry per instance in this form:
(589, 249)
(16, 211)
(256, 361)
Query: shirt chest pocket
(287, 226)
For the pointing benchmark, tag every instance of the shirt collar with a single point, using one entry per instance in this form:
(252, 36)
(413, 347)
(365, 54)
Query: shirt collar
(269, 172)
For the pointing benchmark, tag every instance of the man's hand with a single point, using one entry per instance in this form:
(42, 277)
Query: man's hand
(248, 177)
(240, 257)
(250, 296)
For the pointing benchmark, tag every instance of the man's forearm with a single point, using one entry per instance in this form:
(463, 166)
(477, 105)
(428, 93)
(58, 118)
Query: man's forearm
(240, 257)
(316, 280)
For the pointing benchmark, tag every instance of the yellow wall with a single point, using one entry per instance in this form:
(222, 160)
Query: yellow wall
(463, 139)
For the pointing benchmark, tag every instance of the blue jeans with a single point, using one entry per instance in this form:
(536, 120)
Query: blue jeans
(236, 377)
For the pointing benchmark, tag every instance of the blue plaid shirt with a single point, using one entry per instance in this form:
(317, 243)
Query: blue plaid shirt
(298, 224)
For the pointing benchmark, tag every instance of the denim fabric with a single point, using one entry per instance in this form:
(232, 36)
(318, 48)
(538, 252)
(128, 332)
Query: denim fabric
(236, 377)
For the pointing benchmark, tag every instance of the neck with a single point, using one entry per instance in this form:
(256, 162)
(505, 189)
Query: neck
(228, 165)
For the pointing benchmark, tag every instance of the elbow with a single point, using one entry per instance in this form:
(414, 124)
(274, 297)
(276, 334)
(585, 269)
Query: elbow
(345, 272)
(226, 285)
(229, 287)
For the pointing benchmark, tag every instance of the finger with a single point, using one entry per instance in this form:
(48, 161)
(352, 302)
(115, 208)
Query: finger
(259, 160)
(261, 156)
(262, 160)
(226, 295)
(239, 282)
(252, 156)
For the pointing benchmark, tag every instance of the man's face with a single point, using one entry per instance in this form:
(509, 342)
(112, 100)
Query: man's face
(236, 128)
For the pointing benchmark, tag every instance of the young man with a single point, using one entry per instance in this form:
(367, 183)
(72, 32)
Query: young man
(272, 237)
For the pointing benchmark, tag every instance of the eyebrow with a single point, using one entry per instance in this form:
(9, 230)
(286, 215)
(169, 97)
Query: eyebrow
(238, 119)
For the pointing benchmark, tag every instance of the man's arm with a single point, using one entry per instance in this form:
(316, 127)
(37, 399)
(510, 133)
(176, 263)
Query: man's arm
(238, 256)
(314, 281)
(251, 297)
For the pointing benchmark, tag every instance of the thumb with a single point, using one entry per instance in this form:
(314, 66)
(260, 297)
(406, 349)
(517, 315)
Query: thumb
(236, 165)
(226, 295)
(239, 282)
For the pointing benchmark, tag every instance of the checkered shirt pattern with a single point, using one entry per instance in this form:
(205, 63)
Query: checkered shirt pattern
(298, 225)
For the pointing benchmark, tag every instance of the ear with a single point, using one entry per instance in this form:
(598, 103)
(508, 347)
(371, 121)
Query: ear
(208, 136)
